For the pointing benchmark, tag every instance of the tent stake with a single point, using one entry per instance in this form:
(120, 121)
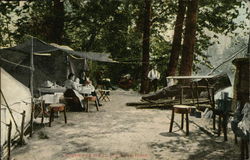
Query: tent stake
(9, 140)
(22, 128)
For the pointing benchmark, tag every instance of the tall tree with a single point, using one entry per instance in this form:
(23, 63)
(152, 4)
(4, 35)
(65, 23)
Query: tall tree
(248, 49)
(177, 38)
(145, 47)
(189, 39)
(57, 28)
(6, 15)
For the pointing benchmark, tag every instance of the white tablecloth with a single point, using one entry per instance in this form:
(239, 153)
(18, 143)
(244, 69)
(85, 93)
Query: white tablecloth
(51, 98)
(52, 90)
(55, 94)
(86, 90)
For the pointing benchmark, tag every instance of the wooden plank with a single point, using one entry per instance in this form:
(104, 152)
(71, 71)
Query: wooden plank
(202, 102)
(197, 87)
(189, 77)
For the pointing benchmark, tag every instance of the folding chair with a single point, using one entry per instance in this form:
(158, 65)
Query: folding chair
(104, 95)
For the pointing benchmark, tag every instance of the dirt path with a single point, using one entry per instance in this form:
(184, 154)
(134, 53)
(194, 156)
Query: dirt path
(121, 132)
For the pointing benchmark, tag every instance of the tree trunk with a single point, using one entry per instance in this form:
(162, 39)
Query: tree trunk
(58, 22)
(248, 49)
(189, 39)
(145, 48)
(176, 45)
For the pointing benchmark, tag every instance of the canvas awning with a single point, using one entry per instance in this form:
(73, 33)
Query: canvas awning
(36, 45)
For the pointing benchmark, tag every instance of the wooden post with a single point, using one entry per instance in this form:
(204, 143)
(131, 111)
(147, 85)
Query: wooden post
(1, 149)
(181, 99)
(43, 110)
(22, 128)
(213, 108)
(197, 93)
(192, 91)
(219, 125)
(182, 120)
(187, 124)
(172, 120)
(9, 140)
(31, 86)
(208, 93)
(224, 123)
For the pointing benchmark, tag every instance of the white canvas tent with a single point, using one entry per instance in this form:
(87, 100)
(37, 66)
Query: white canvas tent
(18, 98)
(35, 45)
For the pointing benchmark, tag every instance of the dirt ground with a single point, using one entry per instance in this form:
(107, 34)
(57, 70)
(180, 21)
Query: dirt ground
(120, 132)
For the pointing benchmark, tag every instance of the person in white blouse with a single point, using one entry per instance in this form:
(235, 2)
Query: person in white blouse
(154, 76)
(70, 83)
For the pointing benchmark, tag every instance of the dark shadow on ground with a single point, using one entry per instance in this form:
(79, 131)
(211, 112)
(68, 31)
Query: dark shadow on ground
(209, 147)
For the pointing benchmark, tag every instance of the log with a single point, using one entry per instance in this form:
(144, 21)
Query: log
(217, 82)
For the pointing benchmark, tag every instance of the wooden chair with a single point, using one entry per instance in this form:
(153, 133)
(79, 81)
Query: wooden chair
(183, 110)
(40, 109)
(57, 107)
(104, 95)
(86, 102)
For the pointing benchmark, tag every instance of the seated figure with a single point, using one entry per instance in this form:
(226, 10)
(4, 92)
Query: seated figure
(72, 96)
(126, 82)
(88, 83)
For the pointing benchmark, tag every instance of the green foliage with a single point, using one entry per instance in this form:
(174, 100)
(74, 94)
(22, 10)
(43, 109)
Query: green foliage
(115, 26)
(215, 18)
(7, 10)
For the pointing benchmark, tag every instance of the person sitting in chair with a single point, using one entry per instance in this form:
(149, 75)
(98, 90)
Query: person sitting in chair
(77, 84)
(103, 81)
(88, 83)
(72, 91)
(70, 83)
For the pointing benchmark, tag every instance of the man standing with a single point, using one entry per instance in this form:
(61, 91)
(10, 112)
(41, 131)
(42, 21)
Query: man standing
(154, 76)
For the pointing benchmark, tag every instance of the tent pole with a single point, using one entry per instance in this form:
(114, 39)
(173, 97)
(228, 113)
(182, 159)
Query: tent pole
(31, 86)
(67, 67)
(1, 149)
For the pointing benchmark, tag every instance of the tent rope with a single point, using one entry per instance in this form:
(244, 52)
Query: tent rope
(228, 59)
(12, 109)
(5, 123)
(16, 64)
(10, 113)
